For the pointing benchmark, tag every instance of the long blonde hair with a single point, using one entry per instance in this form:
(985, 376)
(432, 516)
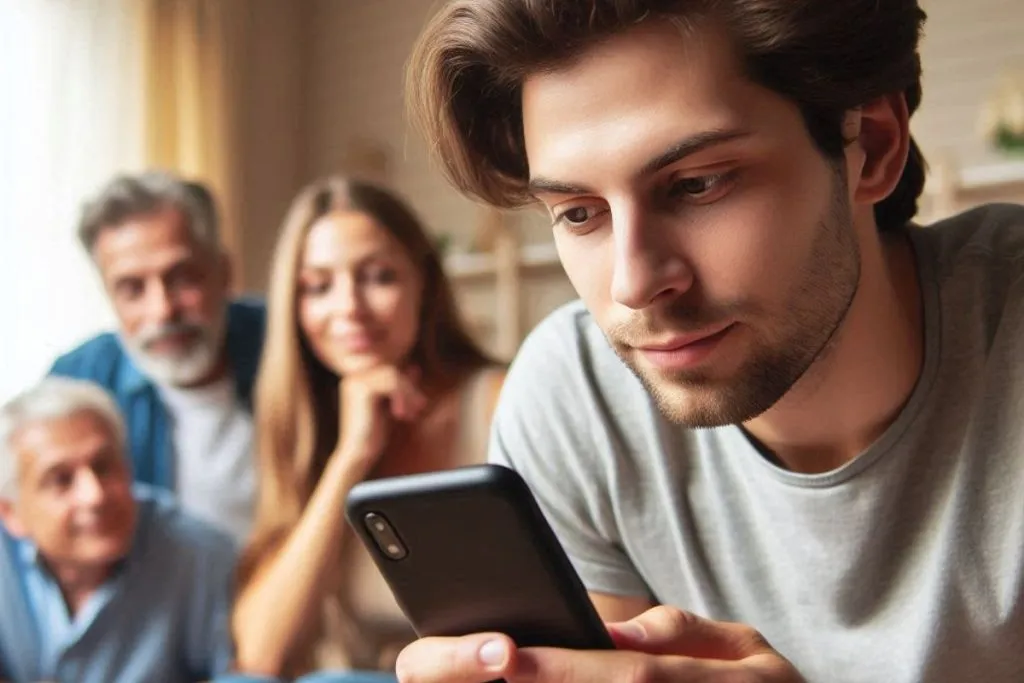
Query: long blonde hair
(296, 400)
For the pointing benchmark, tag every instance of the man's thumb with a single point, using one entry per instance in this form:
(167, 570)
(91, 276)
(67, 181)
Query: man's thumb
(669, 631)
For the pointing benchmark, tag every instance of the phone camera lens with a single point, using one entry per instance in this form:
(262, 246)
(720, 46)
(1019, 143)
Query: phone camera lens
(385, 536)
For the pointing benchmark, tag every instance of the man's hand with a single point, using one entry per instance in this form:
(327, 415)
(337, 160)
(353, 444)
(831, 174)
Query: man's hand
(661, 645)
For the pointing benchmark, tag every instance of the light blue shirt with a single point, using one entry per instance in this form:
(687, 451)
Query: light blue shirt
(163, 617)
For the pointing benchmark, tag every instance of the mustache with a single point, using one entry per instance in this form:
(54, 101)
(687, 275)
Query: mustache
(150, 336)
(679, 317)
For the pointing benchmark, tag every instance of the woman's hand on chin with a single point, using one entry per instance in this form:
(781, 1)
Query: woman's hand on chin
(370, 400)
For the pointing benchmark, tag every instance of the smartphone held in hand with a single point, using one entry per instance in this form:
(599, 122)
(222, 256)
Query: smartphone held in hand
(468, 550)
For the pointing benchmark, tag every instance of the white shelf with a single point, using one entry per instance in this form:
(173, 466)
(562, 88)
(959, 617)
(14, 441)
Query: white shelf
(466, 266)
(982, 177)
(991, 175)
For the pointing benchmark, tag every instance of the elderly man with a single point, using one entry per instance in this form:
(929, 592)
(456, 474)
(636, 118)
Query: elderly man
(100, 581)
(183, 363)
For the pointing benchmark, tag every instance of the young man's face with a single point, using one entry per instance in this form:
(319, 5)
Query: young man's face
(710, 239)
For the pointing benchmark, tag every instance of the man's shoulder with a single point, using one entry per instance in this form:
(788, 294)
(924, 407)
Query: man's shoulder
(978, 256)
(991, 233)
(99, 359)
(247, 327)
(247, 321)
(568, 348)
(249, 308)
(572, 315)
(567, 335)
(564, 377)
(179, 534)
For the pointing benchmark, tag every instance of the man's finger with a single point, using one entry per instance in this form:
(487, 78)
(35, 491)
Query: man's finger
(539, 664)
(666, 630)
(477, 658)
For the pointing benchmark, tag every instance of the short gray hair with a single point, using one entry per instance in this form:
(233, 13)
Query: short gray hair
(51, 399)
(126, 196)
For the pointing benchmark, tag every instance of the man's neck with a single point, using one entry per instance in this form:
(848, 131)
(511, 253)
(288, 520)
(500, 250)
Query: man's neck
(217, 373)
(858, 387)
(77, 584)
(216, 379)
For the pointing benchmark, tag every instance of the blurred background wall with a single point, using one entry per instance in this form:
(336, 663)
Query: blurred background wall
(325, 88)
(287, 90)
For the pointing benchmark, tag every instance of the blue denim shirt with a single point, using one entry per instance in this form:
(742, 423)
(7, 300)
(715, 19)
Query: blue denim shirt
(163, 617)
(103, 360)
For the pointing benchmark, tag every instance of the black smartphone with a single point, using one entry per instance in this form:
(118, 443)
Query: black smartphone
(468, 550)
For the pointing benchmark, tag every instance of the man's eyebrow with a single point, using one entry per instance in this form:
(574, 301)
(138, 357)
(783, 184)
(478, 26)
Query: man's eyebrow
(691, 145)
(680, 150)
(540, 184)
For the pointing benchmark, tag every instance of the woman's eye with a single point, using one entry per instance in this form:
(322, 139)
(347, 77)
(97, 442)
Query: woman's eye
(380, 276)
(314, 287)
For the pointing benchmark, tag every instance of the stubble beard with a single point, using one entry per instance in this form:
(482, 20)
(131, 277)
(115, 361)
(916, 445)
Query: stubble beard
(814, 313)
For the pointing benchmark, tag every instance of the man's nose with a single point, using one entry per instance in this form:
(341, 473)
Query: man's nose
(649, 262)
(161, 304)
(89, 489)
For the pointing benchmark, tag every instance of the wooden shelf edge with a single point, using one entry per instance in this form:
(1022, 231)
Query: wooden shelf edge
(980, 177)
(470, 266)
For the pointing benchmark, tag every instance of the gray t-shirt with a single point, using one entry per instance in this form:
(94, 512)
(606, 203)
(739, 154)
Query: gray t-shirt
(904, 565)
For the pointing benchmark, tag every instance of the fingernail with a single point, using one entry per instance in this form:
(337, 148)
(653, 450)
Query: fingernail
(631, 630)
(493, 654)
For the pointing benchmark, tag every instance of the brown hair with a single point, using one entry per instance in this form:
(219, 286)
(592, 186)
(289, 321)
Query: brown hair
(828, 56)
(296, 402)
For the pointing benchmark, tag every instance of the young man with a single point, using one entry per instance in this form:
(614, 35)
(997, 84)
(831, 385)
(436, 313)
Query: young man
(98, 582)
(779, 406)
(184, 361)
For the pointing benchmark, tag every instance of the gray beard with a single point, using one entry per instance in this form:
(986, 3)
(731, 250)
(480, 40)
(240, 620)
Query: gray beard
(184, 370)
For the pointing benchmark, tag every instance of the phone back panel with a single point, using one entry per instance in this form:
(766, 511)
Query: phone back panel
(479, 557)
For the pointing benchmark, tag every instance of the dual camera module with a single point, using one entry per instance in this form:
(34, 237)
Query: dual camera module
(384, 536)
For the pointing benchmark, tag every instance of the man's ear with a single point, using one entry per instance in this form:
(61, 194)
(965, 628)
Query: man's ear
(881, 137)
(10, 519)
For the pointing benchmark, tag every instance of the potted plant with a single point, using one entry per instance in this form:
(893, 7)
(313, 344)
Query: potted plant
(1002, 117)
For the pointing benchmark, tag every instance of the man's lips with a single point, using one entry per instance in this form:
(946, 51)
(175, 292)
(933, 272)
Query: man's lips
(172, 342)
(681, 341)
(686, 351)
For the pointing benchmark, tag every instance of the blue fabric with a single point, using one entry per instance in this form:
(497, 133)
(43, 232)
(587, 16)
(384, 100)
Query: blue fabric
(315, 677)
(347, 677)
(163, 617)
(103, 360)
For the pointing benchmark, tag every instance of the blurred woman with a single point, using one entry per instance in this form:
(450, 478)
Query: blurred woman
(367, 371)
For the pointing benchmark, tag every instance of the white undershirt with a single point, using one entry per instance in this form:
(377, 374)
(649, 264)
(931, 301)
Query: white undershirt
(212, 436)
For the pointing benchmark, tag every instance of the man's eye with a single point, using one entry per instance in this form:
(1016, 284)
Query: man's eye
(700, 188)
(128, 289)
(60, 480)
(577, 215)
(695, 187)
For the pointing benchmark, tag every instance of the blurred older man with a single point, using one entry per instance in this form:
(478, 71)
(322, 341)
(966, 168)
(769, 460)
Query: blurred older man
(100, 581)
(183, 363)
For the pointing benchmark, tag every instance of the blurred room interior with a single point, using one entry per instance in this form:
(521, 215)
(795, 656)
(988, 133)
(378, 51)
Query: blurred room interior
(257, 97)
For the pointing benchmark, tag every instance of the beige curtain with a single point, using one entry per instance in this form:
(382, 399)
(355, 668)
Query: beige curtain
(191, 88)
